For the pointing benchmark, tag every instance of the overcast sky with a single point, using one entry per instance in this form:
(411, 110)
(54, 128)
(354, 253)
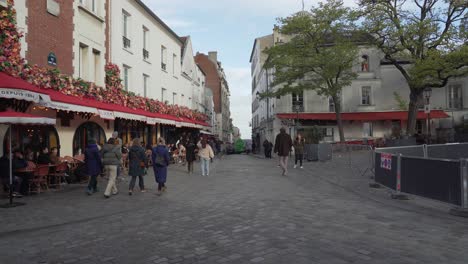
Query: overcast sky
(229, 27)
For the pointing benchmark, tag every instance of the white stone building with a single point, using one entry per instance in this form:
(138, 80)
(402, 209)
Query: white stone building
(147, 51)
(370, 106)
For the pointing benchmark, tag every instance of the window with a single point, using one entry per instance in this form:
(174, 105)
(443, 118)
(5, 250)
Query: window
(174, 63)
(298, 102)
(145, 44)
(364, 63)
(366, 95)
(93, 6)
(125, 29)
(174, 97)
(367, 130)
(455, 96)
(163, 95)
(163, 57)
(83, 63)
(145, 85)
(331, 105)
(97, 66)
(126, 77)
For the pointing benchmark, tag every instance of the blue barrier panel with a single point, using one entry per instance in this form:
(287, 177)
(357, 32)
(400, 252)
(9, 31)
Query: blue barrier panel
(385, 176)
(435, 179)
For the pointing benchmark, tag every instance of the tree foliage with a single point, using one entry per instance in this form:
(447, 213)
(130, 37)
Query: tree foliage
(427, 34)
(320, 54)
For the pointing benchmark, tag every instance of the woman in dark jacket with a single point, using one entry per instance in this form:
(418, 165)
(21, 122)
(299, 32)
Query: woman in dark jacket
(190, 155)
(160, 158)
(299, 144)
(93, 165)
(137, 164)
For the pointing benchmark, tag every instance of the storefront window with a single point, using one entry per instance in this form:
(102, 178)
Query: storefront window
(128, 130)
(32, 138)
(85, 132)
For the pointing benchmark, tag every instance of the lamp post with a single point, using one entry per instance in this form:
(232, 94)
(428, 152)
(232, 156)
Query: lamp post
(427, 109)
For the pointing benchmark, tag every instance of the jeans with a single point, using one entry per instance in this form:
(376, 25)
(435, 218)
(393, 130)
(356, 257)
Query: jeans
(283, 160)
(92, 185)
(141, 183)
(299, 157)
(111, 172)
(205, 166)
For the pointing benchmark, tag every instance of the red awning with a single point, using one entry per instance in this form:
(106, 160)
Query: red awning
(363, 116)
(12, 87)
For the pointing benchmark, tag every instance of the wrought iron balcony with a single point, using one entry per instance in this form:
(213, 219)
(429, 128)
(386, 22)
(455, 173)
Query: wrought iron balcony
(126, 42)
(163, 65)
(145, 54)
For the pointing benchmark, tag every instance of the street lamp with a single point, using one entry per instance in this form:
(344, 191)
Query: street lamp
(427, 109)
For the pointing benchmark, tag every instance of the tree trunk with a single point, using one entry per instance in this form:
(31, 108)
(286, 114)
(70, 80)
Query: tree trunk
(415, 96)
(338, 118)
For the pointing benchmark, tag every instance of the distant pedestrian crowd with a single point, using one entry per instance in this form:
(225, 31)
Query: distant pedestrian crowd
(112, 158)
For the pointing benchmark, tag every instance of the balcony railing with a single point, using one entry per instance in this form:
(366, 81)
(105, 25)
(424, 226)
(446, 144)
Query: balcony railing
(126, 42)
(163, 65)
(145, 54)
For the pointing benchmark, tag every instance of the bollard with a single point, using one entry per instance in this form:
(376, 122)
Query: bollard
(463, 209)
(398, 195)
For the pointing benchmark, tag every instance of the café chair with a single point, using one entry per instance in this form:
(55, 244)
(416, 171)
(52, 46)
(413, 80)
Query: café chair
(58, 174)
(38, 182)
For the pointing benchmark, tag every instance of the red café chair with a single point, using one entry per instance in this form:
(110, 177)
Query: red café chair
(39, 179)
(59, 174)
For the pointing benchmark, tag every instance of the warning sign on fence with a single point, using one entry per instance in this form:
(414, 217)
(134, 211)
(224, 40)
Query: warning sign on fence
(386, 161)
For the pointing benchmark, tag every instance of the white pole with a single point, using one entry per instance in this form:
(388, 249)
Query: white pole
(10, 159)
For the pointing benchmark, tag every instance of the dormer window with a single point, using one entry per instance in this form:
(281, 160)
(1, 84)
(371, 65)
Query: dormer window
(364, 63)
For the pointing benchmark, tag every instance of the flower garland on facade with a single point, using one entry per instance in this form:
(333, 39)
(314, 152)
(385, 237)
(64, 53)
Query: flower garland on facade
(12, 63)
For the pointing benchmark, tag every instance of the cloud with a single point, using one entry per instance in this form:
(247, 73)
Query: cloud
(241, 102)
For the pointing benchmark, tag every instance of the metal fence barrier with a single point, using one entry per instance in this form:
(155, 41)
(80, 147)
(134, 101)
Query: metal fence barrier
(386, 177)
(438, 172)
(432, 178)
(413, 151)
(453, 151)
(359, 158)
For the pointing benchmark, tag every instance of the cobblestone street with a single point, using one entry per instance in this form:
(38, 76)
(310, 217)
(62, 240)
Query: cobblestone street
(244, 212)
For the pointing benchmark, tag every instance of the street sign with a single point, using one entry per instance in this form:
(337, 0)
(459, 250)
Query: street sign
(427, 109)
(386, 161)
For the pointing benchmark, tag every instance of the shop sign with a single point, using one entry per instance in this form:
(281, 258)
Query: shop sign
(20, 95)
(52, 59)
(130, 116)
(108, 115)
(386, 161)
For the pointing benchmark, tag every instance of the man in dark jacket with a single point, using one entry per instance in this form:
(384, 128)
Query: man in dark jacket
(283, 144)
(93, 165)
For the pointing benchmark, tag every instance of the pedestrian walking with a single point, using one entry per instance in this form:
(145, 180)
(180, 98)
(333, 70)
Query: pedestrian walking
(137, 165)
(283, 144)
(160, 158)
(270, 148)
(93, 163)
(266, 145)
(206, 154)
(299, 144)
(190, 155)
(119, 141)
(111, 158)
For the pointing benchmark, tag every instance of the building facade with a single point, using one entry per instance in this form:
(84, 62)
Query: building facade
(216, 80)
(373, 105)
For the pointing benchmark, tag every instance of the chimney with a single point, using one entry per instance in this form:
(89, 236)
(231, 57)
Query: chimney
(213, 56)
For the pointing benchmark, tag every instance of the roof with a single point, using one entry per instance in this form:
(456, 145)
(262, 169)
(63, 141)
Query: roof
(255, 43)
(151, 13)
(363, 116)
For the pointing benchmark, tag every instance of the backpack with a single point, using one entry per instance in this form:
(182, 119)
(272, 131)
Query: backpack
(160, 161)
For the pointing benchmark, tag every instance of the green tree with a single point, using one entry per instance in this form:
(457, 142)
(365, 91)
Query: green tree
(423, 39)
(319, 56)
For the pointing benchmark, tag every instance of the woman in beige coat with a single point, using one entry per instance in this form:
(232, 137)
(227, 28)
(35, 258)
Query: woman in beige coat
(206, 154)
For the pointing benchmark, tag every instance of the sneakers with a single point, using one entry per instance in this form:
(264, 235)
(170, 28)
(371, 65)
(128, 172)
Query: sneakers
(302, 167)
(143, 191)
(295, 166)
(164, 189)
(130, 193)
